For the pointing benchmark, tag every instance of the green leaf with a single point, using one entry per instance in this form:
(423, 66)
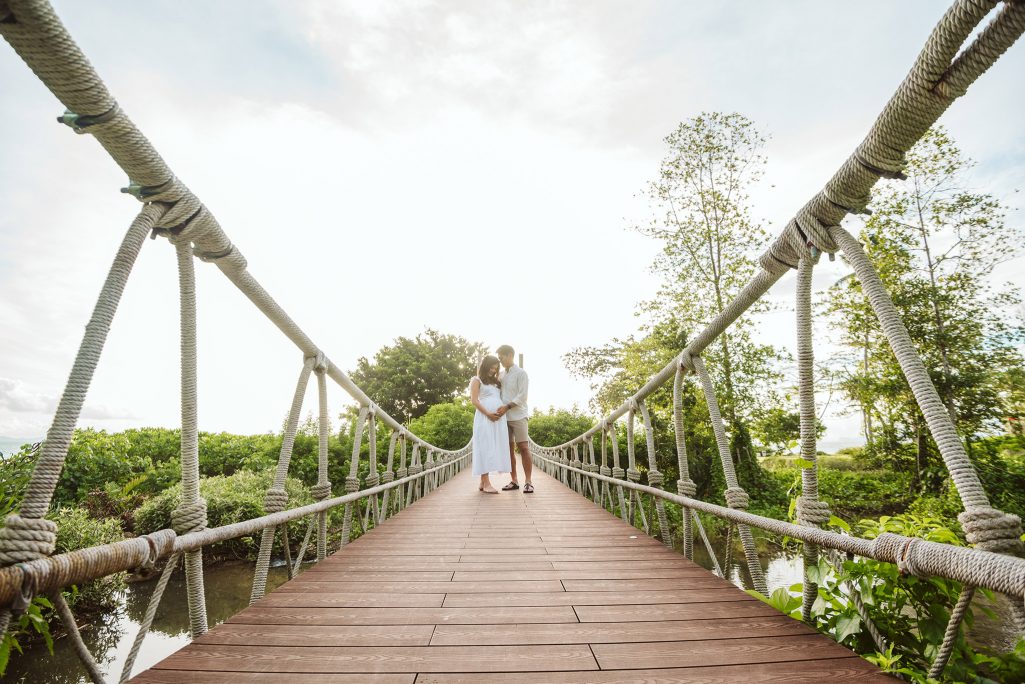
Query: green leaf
(847, 625)
(839, 522)
(804, 463)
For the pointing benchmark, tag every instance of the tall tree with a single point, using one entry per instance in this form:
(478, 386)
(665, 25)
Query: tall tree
(411, 375)
(935, 243)
(710, 244)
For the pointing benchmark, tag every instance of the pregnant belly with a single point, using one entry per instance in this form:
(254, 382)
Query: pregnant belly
(491, 402)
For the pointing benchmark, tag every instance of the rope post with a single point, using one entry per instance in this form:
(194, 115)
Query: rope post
(322, 490)
(811, 510)
(736, 497)
(389, 475)
(685, 486)
(276, 498)
(352, 481)
(400, 494)
(655, 478)
(617, 471)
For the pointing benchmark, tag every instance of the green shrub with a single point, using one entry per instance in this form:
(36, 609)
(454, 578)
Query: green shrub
(449, 426)
(230, 499)
(78, 529)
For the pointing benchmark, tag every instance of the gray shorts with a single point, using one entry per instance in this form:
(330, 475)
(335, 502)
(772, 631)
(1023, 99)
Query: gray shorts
(518, 430)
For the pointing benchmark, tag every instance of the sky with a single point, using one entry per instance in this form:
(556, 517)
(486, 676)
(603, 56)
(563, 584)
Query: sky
(388, 166)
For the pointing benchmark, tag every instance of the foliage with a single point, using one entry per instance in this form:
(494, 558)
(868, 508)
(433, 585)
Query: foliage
(230, 499)
(911, 612)
(410, 376)
(78, 529)
(779, 430)
(449, 426)
(557, 426)
(935, 244)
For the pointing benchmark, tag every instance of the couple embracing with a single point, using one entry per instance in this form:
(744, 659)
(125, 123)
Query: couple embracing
(500, 423)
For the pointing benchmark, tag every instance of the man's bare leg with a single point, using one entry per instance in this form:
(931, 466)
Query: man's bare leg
(512, 464)
(528, 465)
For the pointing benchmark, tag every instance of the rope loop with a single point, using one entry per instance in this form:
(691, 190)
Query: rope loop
(633, 475)
(991, 529)
(275, 500)
(373, 479)
(605, 470)
(351, 485)
(320, 363)
(686, 361)
(812, 511)
(736, 497)
(320, 491)
(618, 473)
(189, 517)
(655, 478)
(26, 539)
(687, 488)
(389, 476)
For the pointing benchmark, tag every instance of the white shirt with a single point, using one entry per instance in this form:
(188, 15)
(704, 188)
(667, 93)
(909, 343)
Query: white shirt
(514, 391)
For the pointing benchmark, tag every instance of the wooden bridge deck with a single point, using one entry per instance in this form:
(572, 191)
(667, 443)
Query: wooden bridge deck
(464, 587)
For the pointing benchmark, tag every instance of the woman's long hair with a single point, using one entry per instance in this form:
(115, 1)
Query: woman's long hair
(488, 371)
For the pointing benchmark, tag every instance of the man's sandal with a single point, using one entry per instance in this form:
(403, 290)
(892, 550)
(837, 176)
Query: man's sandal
(510, 487)
(528, 488)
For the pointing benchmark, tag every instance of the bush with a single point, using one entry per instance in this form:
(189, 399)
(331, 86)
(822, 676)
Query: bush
(78, 529)
(558, 426)
(448, 426)
(230, 499)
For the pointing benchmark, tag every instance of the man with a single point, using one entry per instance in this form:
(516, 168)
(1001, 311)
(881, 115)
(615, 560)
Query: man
(514, 398)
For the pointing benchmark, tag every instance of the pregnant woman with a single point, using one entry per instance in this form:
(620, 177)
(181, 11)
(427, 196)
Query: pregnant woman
(490, 430)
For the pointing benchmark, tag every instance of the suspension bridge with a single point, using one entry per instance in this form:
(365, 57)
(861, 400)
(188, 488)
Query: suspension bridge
(592, 588)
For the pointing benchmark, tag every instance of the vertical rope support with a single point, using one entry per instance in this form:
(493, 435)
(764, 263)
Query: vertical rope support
(147, 618)
(810, 510)
(373, 477)
(29, 535)
(323, 488)
(736, 497)
(389, 475)
(400, 494)
(352, 481)
(685, 486)
(592, 467)
(617, 470)
(950, 636)
(414, 469)
(654, 476)
(632, 473)
(276, 498)
(190, 516)
(81, 650)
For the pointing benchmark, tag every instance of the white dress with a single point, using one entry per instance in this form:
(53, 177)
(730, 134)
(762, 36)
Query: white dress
(490, 437)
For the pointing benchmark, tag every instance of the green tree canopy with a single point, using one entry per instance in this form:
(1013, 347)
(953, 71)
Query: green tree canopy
(411, 375)
(448, 426)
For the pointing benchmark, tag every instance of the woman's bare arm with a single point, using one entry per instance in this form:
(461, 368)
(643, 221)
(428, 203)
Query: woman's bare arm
(475, 400)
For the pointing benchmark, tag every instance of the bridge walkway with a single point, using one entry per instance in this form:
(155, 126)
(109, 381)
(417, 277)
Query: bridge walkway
(464, 587)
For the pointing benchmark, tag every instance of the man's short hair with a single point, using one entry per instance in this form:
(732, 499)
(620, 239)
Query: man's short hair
(504, 350)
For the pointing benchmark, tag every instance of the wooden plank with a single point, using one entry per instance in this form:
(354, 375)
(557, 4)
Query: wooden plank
(373, 659)
(595, 598)
(670, 584)
(258, 615)
(189, 677)
(849, 669)
(695, 577)
(327, 635)
(318, 599)
(675, 611)
(716, 652)
(523, 586)
(618, 632)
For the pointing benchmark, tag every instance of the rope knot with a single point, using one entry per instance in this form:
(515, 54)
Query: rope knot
(189, 517)
(812, 511)
(687, 488)
(736, 497)
(275, 500)
(25, 539)
(373, 479)
(320, 362)
(28, 590)
(389, 476)
(605, 470)
(633, 475)
(320, 491)
(655, 478)
(991, 529)
(618, 473)
(351, 485)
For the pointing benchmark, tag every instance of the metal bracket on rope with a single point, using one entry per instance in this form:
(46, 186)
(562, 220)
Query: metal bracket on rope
(143, 193)
(80, 123)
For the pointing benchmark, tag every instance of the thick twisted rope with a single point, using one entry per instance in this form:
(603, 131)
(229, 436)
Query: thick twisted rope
(735, 495)
(322, 490)
(276, 498)
(655, 478)
(685, 486)
(352, 481)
